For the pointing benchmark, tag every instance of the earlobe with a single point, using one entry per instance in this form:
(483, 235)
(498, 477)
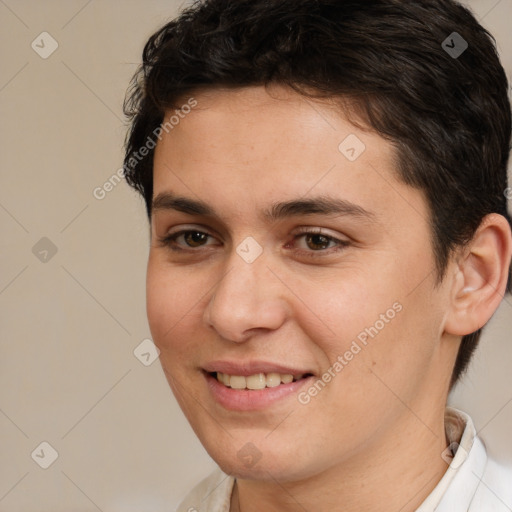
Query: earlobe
(481, 278)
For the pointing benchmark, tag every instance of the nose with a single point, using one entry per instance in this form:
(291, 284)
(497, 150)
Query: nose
(248, 298)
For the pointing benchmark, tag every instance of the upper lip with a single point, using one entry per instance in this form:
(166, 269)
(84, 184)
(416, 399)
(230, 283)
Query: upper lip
(246, 368)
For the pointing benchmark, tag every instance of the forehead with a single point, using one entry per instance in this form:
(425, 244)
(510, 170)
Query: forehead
(250, 147)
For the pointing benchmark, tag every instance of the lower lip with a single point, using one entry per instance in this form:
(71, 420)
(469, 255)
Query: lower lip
(251, 399)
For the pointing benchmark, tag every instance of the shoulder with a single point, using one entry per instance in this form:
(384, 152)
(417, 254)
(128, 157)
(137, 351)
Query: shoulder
(213, 494)
(474, 481)
(494, 492)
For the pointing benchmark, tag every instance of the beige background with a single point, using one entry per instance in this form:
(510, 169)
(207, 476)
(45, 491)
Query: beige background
(69, 325)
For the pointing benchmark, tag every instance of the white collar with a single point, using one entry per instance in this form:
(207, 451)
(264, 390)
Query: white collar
(457, 488)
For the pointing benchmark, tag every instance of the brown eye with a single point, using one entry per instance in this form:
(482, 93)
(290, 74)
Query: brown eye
(315, 241)
(316, 244)
(194, 238)
(186, 239)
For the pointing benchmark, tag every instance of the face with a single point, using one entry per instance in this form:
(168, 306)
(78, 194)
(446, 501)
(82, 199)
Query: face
(282, 249)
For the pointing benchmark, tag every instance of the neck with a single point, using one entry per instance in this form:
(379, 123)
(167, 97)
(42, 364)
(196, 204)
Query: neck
(397, 473)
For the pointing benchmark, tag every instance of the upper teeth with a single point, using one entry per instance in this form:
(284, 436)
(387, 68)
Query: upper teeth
(257, 381)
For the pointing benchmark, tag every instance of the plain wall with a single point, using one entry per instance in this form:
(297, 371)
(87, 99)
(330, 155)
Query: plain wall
(70, 325)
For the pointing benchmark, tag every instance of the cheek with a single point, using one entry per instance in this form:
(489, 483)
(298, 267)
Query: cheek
(160, 306)
(398, 352)
(339, 307)
(375, 323)
(170, 302)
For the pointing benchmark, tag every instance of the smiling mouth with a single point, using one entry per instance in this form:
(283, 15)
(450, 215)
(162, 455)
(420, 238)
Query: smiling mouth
(258, 380)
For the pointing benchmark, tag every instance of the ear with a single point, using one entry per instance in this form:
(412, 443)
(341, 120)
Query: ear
(481, 277)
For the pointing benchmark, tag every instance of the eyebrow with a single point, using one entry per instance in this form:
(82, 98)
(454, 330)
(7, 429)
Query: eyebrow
(320, 205)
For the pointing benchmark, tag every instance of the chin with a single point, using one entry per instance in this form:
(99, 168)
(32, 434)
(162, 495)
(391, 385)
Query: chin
(267, 466)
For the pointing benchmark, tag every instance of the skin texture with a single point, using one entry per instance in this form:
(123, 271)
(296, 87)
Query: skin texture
(372, 438)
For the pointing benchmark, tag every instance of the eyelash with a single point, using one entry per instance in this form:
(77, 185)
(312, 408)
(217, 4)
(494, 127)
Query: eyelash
(169, 242)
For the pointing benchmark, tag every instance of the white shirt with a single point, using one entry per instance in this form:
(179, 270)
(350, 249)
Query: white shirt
(472, 483)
